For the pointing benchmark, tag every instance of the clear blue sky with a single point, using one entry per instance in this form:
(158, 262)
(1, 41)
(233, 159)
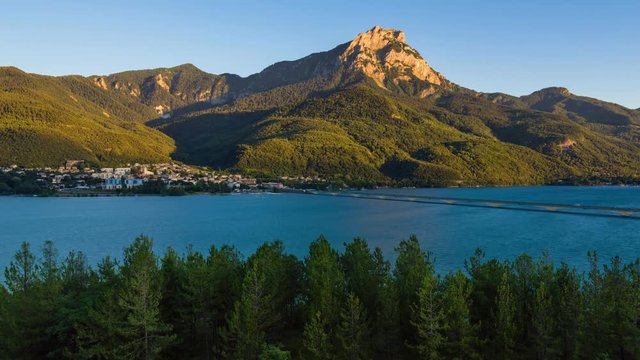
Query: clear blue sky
(516, 46)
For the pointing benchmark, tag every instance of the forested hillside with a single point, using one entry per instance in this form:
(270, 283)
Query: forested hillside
(46, 120)
(347, 304)
(366, 133)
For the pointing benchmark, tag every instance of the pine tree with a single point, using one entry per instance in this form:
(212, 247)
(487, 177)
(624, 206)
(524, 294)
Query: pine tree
(251, 316)
(98, 335)
(359, 268)
(368, 276)
(77, 275)
(5, 324)
(225, 272)
(98, 332)
(460, 335)
(50, 301)
(633, 271)
(210, 289)
(623, 330)
(485, 276)
(144, 334)
(200, 307)
(524, 285)
(427, 319)
(272, 352)
(352, 333)
(412, 265)
(324, 282)
(542, 320)
(35, 289)
(316, 342)
(22, 272)
(385, 336)
(543, 314)
(282, 282)
(49, 267)
(593, 321)
(505, 319)
(77, 281)
(172, 299)
(567, 304)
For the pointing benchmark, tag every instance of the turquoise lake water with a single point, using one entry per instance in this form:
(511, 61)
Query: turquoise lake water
(102, 226)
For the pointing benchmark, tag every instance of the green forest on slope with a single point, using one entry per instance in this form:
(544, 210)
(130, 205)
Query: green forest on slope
(365, 133)
(46, 120)
(352, 304)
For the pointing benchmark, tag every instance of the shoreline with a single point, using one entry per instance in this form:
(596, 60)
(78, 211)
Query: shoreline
(296, 191)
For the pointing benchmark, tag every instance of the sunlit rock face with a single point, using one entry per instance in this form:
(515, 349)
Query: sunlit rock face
(383, 55)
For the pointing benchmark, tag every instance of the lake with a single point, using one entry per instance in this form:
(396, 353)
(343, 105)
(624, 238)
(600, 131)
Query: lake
(102, 226)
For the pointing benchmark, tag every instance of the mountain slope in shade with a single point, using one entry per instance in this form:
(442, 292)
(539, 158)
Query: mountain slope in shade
(370, 109)
(47, 120)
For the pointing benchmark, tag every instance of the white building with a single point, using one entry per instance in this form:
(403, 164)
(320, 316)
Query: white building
(133, 182)
(112, 184)
(102, 175)
(121, 171)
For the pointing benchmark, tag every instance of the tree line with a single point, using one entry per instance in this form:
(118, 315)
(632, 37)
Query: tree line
(353, 304)
(23, 183)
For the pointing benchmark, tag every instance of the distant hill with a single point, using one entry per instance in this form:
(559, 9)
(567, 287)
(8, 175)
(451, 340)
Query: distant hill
(45, 120)
(370, 109)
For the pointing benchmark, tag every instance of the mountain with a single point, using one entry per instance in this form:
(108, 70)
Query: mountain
(379, 55)
(370, 109)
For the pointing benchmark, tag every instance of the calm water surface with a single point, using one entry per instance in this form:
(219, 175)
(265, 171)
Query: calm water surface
(105, 225)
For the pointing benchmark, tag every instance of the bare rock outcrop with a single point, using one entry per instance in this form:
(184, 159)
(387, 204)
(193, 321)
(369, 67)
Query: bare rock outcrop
(383, 55)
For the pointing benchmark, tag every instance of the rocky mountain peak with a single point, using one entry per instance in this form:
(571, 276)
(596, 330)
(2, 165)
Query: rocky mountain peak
(546, 96)
(377, 38)
(385, 56)
(557, 91)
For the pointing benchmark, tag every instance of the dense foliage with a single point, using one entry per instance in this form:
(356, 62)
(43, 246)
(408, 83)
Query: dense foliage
(159, 187)
(329, 305)
(362, 133)
(23, 183)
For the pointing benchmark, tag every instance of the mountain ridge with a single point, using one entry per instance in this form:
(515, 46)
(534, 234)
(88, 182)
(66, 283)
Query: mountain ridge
(369, 109)
(380, 54)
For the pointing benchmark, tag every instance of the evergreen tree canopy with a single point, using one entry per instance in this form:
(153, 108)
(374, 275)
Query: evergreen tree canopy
(275, 306)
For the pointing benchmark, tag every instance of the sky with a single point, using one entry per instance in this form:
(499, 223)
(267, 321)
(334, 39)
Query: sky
(590, 47)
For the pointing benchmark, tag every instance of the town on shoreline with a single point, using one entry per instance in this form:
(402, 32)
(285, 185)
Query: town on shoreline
(76, 178)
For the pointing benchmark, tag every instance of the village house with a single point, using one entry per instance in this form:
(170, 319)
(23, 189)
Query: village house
(248, 182)
(121, 171)
(273, 185)
(133, 182)
(112, 184)
(102, 175)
